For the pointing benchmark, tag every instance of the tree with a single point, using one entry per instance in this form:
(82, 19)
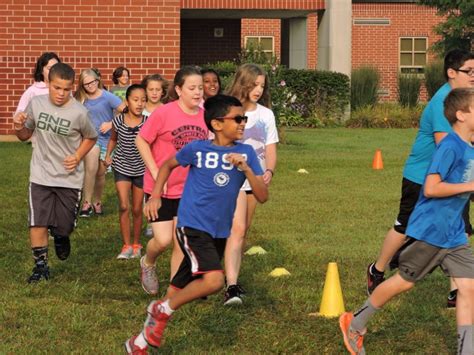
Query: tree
(457, 31)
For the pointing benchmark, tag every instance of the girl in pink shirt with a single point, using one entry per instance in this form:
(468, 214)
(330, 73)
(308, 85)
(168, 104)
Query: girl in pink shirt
(169, 128)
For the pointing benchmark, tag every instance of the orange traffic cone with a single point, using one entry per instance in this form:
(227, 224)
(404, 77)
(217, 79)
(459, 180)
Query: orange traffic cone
(377, 163)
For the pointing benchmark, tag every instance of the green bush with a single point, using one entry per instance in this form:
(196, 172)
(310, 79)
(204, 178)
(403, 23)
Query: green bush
(364, 87)
(434, 77)
(408, 89)
(385, 115)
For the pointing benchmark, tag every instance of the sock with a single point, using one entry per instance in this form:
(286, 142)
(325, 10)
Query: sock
(465, 339)
(40, 256)
(374, 270)
(165, 308)
(140, 341)
(362, 316)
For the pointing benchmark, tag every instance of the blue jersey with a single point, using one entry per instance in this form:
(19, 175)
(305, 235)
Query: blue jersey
(438, 221)
(432, 120)
(213, 184)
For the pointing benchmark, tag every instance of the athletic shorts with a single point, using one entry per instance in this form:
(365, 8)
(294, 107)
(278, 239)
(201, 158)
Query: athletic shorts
(103, 151)
(168, 209)
(420, 258)
(134, 180)
(202, 254)
(55, 208)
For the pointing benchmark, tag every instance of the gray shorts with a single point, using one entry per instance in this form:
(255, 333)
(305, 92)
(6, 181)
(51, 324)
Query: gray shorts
(54, 208)
(421, 258)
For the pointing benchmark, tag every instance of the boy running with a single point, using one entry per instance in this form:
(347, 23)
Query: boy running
(437, 230)
(218, 168)
(64, 135)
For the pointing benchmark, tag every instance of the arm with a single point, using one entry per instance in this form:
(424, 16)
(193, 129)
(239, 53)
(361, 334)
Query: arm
(435, 187)
(110, 147)
(259, 188)
(72, 161)
(145, 152)
(23, 133)
(438, 136)
(154, 202)
(270, 162)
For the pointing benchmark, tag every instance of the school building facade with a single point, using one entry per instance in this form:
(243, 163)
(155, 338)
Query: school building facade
(150, 36)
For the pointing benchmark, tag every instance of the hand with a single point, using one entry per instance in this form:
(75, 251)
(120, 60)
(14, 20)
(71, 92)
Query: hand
(267, 177)
(70, 163)
(151, 208)
(237, 160)
(108, 160)
(19, 120)
(105, 127)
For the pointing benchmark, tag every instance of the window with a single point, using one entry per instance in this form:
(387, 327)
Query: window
(264, 43)
(413, 54)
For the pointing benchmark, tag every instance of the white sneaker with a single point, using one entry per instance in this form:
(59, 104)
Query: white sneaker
(126, 253)
(149, 231)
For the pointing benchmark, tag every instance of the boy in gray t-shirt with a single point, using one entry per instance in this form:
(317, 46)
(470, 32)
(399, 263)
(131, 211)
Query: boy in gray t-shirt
(64, 135)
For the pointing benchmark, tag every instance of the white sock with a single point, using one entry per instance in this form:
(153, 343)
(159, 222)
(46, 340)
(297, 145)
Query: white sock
(165, 307)
(140, 341)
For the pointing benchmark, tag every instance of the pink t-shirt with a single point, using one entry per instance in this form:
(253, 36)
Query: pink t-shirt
(38, 88)
(167, 130)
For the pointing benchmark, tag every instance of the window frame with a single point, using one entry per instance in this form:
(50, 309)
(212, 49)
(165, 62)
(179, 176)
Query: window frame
(412, 69)
(259, 38)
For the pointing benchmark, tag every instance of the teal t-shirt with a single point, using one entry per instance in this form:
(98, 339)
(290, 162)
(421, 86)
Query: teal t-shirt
(438, 221)
(432, 120)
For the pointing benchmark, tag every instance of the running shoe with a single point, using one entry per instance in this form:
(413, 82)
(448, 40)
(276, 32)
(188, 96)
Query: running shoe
(148, 277)
(39, 272)
(232, 295)
(354, 341)
(62, 246)
(373, 278)
(86, 210)
(98, 208)
(137, 251)
(451, 304)
(133, 349)
(126, 253)
(149, 231)
(155, 324)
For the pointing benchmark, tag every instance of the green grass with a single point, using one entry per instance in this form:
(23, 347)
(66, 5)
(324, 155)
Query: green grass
(339, 212)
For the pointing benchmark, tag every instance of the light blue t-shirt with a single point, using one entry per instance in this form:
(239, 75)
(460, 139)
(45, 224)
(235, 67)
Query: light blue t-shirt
(438, 221)
(210, 193)
(101, 110)
(432, 120)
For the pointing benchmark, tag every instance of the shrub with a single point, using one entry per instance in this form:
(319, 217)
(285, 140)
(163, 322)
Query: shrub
(408, 89)
(434, 77)
(386, 115)
(364, 87)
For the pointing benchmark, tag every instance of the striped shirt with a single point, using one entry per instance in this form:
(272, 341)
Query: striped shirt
(127, 159)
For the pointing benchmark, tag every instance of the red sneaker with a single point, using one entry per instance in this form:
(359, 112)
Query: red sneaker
(155, 324)
(133, 349)
(353, 341)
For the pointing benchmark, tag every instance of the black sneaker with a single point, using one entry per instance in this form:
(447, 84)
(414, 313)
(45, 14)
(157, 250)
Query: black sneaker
(62, 245)
(232, 295)
(374, 278)
(452, 299)
(39, 272)
(86, 210)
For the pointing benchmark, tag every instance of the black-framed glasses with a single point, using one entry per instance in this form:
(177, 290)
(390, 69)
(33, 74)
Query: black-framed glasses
(90, 83)
(238, 119)
(469, 72)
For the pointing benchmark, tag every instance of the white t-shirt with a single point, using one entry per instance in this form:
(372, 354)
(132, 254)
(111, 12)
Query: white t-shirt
(260, 131)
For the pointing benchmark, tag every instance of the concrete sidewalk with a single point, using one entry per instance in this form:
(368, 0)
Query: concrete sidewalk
(8, 138)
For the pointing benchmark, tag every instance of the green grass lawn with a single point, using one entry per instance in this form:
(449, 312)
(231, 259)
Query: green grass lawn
(339, 212)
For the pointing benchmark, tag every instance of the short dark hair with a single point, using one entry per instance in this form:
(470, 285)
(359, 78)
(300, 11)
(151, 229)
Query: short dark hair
(132, 88)
(180, 78)
(63, 71)
(118, 73)
(205, 71)
(218, 106)
(455, 59)
(41, 63)
(459, 99)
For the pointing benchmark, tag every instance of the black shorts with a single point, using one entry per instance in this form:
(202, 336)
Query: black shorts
(55, 208)
(134, 180)
(410, 193)
(202, 254)
(168, 209)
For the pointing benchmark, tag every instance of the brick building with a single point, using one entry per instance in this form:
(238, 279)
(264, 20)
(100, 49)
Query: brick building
(151, 36)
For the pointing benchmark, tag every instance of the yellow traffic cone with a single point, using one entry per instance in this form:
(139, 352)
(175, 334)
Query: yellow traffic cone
(332, 304)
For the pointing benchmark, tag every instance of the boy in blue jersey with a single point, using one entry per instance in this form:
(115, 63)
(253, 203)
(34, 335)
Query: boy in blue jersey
(437, 230)
(218, 168)
(458, 70)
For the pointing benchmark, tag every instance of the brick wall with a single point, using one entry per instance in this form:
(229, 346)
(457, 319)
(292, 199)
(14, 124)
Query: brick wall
(143, 35)
(379, 45)
(263, 27)
(199, 46)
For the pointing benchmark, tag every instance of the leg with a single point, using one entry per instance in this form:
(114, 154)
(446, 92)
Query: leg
(392, 243)
(465, 315)
(389, 289)
(233, 250)
(123, 193)
(176, 253)
(162, 237)
(137, 203)
(91, 165)
(99, 182)
(38, 237)
(39, 247)
(251, 206)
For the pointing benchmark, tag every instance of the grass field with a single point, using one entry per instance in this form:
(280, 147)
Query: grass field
(339, 212)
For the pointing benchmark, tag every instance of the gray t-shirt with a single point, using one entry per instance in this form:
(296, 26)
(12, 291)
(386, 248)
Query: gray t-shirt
(59, 131)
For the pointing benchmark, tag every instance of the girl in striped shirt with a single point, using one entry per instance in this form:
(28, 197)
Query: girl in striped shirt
(128, 168)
